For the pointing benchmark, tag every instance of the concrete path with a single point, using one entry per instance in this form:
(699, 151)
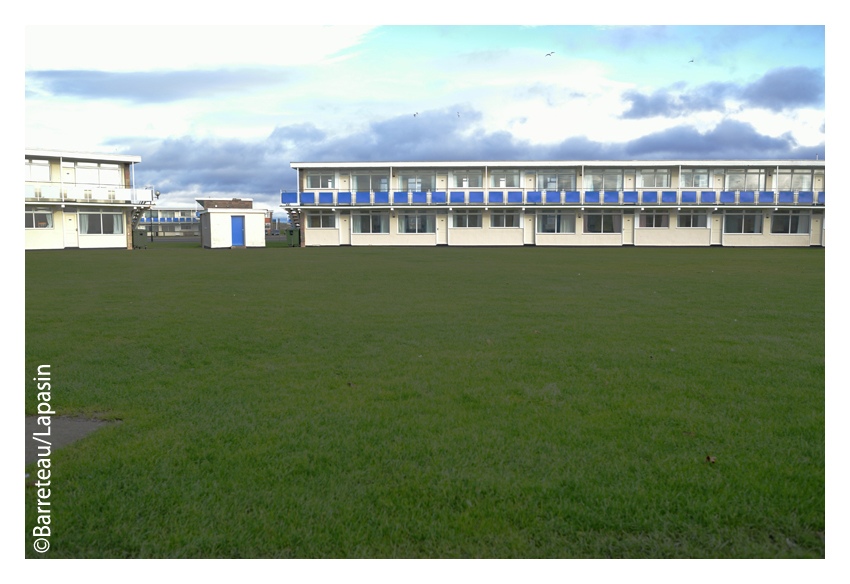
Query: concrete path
(63, 431)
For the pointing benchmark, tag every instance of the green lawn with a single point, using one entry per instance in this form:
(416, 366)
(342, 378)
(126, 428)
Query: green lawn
(436, 402)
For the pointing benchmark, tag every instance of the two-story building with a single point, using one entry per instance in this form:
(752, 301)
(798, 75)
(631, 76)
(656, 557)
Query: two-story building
(770, 203)
(81, 199)
(171, 222)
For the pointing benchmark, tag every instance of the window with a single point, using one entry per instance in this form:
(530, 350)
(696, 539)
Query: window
(320, 180)
(795, 180)
(321, 220)
(658, 178)
(603, 222)
(505, 218)
(467, 219)
(744, 221)
(37, 170)
(553, 222)
(693, 219)
(604, 180)
(371, 222)
(86, 173)
(790, 222)
(109, 174)
(365, 182)
(417, 222)
(750, 179)
(417, 181)
(39, 219)
(694, 178)
(504, 179)
(467, 179)
(558, 180)
(654, 219)
(97, 223)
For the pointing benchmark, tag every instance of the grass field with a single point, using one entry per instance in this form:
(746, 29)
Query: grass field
(437, 402)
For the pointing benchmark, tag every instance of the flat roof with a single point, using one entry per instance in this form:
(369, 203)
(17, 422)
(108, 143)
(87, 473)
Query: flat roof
(557, 163)
(35, 152)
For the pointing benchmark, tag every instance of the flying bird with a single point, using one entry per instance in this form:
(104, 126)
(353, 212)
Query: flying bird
(691, 61)
(550, 54)
(416, 114)
(458, 114)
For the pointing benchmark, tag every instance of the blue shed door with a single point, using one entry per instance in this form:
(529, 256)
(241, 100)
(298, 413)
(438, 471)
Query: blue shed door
(237, 226)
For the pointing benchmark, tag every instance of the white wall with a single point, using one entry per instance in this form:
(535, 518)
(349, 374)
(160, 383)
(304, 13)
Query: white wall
(53, 238)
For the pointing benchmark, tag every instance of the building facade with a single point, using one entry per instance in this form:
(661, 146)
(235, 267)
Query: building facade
(81, 200)
(771, 203)
(174, 222)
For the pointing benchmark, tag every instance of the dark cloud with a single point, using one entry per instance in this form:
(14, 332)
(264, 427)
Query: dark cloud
(261, 167)
(776, 90)
(156, 86)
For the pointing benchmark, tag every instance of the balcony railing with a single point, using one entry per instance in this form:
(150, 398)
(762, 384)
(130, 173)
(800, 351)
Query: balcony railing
(50, 191)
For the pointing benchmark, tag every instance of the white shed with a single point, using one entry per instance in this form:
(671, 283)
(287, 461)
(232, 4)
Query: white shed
(228, 225)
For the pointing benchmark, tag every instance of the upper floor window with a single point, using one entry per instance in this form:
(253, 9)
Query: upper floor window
(467, 179)
(417, 180)
(654, 178)
(504, 179)
(37, 170)
(694, 178)
(371, 181)
(559, 180)
(749, 179)
(320, 180)
(798, 179)
(603, 180)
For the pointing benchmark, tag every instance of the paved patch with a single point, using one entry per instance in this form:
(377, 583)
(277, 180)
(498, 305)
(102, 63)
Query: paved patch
(63, 431)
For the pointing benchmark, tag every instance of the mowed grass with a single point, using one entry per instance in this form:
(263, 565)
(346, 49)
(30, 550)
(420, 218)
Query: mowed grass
(436, 402)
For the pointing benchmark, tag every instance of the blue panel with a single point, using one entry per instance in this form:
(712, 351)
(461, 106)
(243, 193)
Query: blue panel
(308, 198)
(766, 197)
(747, 197)
(496, 197)
(514, 196)
(288, 198)
(382, 198)
(343, 198)
(649, 197)
(476, 196)
(821, 197)
(805, 197)
(420, 198)
(572, 197)
(786, 196)
(689, 196)
(707, 197)
(668, 197)
(553, 197)
(534, 197)
(438, 197)
(456, 197)
(727, 196)
(400, 198)
(591, 196)
(361, 198)
(237, 229)
(611, 197)
(326, 198)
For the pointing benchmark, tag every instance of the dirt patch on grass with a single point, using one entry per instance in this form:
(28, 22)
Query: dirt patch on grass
(63, 431)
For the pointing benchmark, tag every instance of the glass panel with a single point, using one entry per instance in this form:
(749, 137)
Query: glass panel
(29, 220)
(315, 220)
(780, 223)
(475, 220)
(735, 180)
(567, 223)
(612, 180)
(784, 182)
(752, 183)
(546, 223)
(733, 224)
(93, 224)
(380, 183)
(593, 182)
(801, 182)
(802, 226)
(567, 182)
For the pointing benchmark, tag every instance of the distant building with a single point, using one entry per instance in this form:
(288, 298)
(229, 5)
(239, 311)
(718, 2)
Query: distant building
(771, 203)
(81, 199)
(172, 222)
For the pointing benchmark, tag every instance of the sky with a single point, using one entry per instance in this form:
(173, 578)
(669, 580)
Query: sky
(223, 110)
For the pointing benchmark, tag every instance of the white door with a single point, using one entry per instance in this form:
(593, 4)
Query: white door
(442, 229)
(528, 229)
(71, 239)
(345, 229)
(816, 230)
(628, 229)
(716, 227)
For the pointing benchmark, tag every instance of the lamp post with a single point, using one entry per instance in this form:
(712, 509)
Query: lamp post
(155, 195)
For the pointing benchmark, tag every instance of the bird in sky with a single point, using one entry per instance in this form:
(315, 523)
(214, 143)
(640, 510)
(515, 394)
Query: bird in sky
(416, 114)
(550, 54)
(691, 61)
(458, 114)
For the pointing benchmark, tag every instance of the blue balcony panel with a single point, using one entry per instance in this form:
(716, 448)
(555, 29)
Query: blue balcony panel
(496, 197)
(343, 198)
(326, 198)
(476, 197)
(457, 197)
(668, 197)
(382, 198)
(727, 196)
(361, 198)
(308, 198)
(534, 197)
(400, 198)
(747, 197)
(591, 196)
(288, 198)
(419, 198)
(765, 197)
(786, 196)
(805, 197)
(514, 196)
(572, 197)
(689, 196)
(707, 197)
(438, 197)
(649, 197)
(611, 197)
(821, 197)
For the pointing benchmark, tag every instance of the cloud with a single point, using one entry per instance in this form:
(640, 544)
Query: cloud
(260, 168)
(777, 90)
(157, 86)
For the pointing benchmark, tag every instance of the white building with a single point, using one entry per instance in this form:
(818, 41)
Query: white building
(231, 223)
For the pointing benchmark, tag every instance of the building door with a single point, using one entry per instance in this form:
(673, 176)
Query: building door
(71, 239)
(237, 227)
(716, 229)
(344, 229)
(628, 230)
(442, 229)
(528, 229)
(816, 237)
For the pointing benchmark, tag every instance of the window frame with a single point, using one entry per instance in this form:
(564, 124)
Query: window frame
(656, 173)
(30, 163)
(355, 186)
(609, 172)
(657, 215)
(693, 173)
(357, 217)
(459, 174)
(506, 173)
(421, 217)
(791, 214)
(691, 213)
(418, 175)
(331, 175)
(746, 173)
(791, 174)
(100, 213)
(463, 215)
(602, 213)
(744, 213)
(505, 213)
(32, 212)
(559, 222)
(321, 214)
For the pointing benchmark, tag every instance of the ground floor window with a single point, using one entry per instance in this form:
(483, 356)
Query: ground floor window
(371, 222)
(101, 223)
(654, 219)
(417, 222)
(39, 219)
(467, 218)
(504, 218)
(790, 222)
(744, 221)
(603, 222)
(553, 222)
(693, 219)
(321, 220)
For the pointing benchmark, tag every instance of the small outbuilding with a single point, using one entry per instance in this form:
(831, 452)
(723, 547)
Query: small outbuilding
(231, 223)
